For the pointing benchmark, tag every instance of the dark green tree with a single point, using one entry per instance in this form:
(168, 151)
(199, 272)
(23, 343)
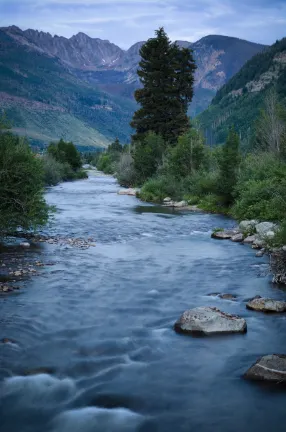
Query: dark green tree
(22, 203)
(115, 147)
(65, 152)
(166, 73)
(228, 167)
(147, 156)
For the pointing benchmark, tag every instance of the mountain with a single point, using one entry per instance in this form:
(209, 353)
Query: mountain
(238, 102)
(82, 88)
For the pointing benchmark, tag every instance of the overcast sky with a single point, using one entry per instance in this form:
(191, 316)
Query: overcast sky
(125, 22)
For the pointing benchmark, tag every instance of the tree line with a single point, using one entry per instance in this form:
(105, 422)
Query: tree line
(24, 175)
(168, 156)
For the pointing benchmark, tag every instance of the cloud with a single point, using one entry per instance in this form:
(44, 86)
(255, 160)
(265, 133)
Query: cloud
(125, 22)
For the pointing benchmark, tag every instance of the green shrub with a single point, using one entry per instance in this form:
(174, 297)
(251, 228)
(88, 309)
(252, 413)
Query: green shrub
(53, 170)
(280, 236)
(213, 203)
(125, 171)
(22, 203)
(201, 183)
(158, 188)
(81, 175)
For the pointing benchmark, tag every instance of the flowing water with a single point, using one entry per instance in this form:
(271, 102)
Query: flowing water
(100, 323)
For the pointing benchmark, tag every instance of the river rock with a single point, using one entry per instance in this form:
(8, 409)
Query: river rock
(260, 253)
(271, 367)
(180, 204)
(263, 227)
(25, 244)
(223, 296)
(266, 305)
(223, 234)
(258, 243)
(284, 248)
(249, 239)
(130, 192)
(237, 238)
(209, 320)
(167, 200)
(247, 226)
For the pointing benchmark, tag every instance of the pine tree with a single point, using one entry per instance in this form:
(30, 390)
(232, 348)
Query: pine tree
(166, 73)
(228, 167)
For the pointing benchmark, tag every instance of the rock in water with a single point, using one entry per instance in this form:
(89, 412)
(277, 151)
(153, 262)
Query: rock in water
(130, 192)
(209, 320)
(263, 227)
(266, 305)
(268, 368)
(224, 234)
(237, 238)
(25, 244)
(249, 239)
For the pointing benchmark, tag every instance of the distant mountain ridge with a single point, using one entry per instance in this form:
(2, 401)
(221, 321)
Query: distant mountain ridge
(238, 102)
(111, 71)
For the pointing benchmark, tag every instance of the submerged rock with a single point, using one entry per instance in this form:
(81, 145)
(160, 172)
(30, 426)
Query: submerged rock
(268, 368)
(223, 296)
(266, 305)
(209, 320)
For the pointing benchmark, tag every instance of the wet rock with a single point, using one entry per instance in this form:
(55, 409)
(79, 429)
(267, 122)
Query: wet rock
(263, 227)
(6, 288)
(25, 244)
(237, 238)
(271, 367)
(249, 239)
(258, 243)
(223, 296)
(39, 371)
(224, 234)
(266, 305)
(260, 253)
(130, 192)
(209, 320)
(8, 341)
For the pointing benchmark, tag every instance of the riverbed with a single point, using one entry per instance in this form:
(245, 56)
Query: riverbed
(99, 324)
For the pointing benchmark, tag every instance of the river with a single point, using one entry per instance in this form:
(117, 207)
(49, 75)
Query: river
(101, 323)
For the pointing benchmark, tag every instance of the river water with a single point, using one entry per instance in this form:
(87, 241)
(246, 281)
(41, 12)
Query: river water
(100, 323)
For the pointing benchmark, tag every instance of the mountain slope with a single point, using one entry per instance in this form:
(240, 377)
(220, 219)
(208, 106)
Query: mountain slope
(42, 96)
(239, 101)
(82, 88)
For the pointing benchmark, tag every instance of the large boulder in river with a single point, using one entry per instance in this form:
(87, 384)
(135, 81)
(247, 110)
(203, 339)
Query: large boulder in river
(266, 305)
(209, 320)
(264, 227)
(180, 204)
(268, 368)
(237, 238)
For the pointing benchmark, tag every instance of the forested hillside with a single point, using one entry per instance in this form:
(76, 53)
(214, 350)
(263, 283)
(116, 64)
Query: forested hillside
(45, 101)
(239, 101)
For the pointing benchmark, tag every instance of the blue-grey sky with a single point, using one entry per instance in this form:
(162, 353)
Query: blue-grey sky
(125, 22)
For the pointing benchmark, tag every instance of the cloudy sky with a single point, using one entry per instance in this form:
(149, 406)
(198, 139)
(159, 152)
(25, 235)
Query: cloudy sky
(127, 21)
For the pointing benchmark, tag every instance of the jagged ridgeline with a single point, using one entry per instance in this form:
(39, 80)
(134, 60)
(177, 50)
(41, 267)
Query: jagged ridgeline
(44, 100)
(239, 101)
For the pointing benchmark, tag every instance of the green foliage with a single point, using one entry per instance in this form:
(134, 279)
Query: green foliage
(53, 170)
(22, 203)
(65, 152)
(107, 161)
(188, 156)
(280, 235)
(228, 167)
(166, 73)
(147, 155)
(160, 187)
(126, 175)
(261, 189)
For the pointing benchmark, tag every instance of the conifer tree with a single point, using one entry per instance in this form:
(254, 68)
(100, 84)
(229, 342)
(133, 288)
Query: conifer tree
(167, 75)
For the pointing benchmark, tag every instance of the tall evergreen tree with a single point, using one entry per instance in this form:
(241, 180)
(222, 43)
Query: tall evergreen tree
(167, 75)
